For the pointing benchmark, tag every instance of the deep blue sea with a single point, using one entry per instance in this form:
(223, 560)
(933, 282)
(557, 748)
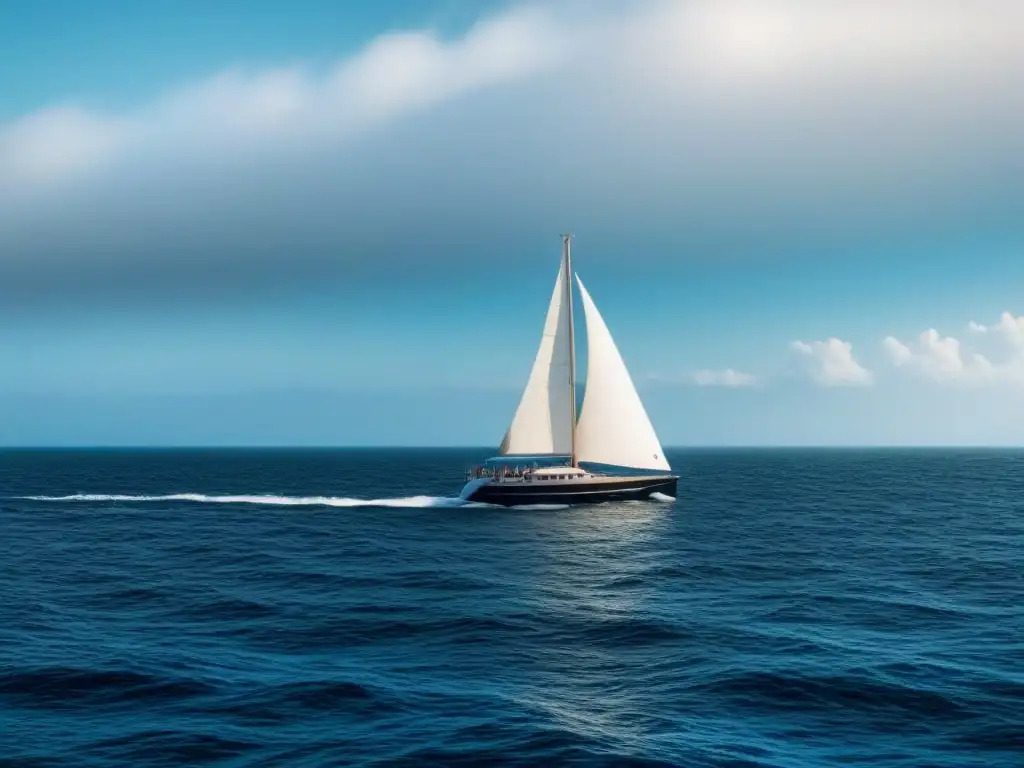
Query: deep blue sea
(308, 608)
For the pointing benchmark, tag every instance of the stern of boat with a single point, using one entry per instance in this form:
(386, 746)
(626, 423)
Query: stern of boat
(668, 487)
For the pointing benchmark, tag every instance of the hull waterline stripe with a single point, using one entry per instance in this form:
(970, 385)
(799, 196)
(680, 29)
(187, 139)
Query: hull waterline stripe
(577, 493)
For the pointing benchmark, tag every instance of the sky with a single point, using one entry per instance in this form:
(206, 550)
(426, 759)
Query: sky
(338, 224)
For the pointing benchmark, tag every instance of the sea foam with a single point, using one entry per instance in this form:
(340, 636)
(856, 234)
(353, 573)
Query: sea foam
(272, 500)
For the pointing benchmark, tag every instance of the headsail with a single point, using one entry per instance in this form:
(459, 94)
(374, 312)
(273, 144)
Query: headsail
(613, 427)
(543, 420)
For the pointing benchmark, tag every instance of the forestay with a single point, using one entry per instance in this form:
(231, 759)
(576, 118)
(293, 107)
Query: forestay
(543, 420)
(613, 427)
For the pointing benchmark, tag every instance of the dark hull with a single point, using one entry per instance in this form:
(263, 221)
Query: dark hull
(592, 491)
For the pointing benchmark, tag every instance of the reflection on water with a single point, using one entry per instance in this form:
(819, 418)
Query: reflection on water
(592, 577)
(595, 559)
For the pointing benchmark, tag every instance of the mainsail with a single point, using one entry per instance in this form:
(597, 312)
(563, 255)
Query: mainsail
(543, 420)
(613, 427)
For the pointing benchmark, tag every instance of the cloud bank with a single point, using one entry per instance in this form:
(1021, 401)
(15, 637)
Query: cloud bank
(946, 360)
(931, 357)
(727, 121)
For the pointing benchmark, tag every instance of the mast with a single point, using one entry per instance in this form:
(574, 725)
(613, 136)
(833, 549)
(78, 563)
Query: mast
(567, 263)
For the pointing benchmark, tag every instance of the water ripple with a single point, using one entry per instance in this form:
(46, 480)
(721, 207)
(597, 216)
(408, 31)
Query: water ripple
(307, 608)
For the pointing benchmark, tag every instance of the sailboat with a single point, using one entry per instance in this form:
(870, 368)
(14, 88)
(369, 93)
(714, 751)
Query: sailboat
(612, 430)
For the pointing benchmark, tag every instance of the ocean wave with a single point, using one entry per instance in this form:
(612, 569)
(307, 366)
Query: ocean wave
(227, 610)
(170, 747)
(347, 631)
(761, 628)
(64, 686)
(282, 701)
(866, 696)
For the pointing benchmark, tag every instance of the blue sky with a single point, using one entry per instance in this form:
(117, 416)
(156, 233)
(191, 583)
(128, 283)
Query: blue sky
(246, 224)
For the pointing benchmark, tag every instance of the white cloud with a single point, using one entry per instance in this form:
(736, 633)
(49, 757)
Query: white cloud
(944, 359)
(667, 52)
(940, 358)
(54, 143)
(764, 40)
(395, 74)
(899, 353)
(725, 378)
(831, 363)
(1009, 328)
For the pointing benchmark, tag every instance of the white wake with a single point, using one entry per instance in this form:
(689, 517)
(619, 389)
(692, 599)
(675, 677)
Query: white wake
(284, 501)
(422, 502)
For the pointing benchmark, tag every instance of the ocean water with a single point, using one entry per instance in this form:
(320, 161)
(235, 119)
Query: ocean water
(307, 608)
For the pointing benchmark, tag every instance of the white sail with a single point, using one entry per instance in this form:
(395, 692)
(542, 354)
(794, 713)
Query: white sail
(613, 427)
(543, 420)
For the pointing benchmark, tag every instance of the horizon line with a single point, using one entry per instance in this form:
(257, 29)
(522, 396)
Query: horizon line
(422, 447)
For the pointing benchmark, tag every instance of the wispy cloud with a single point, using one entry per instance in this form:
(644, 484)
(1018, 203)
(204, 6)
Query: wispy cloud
(726, 378)
(395, 75)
